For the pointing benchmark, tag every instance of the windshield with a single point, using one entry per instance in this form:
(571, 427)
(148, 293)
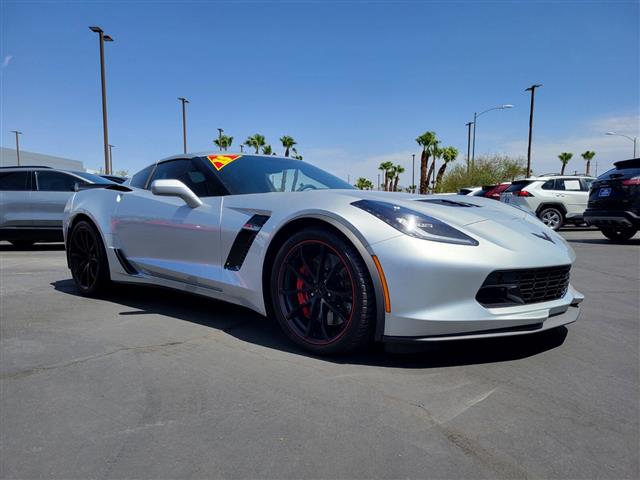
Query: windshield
(90, 177)
(242, 174)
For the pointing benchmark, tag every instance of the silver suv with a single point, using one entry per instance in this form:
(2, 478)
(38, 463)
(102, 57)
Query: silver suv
(556, 200)
(32, 201)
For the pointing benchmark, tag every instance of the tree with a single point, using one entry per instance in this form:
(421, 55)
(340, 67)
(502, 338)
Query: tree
(267, 150)
(386, 168)
(486, 171)
(449, 154)
(436, 152)
(364, 184)
(427, 141)
(288, 143)
(255, 141)
(122, 173)
(564, 158)
(223, 142)
(397, 171)
(588, 156)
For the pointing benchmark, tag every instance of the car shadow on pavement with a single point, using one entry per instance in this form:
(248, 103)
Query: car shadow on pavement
(251, 327)
(604, 241)
(45, 247)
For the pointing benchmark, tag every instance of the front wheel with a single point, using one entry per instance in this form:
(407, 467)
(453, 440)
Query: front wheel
(322, 294)
(88, 259)
(552, 217)
(619, 234)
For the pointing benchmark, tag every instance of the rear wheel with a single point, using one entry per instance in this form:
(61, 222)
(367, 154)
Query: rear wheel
(619, 234)
(88, 259)
(322, 294)
(551, 217)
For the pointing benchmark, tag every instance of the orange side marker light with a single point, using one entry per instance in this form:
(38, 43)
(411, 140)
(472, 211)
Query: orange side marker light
(383, 280)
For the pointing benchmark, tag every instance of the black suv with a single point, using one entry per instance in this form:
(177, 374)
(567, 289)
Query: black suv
(614, 201)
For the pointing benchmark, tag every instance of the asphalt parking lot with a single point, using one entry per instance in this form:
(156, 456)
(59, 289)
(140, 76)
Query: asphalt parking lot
(154, 384)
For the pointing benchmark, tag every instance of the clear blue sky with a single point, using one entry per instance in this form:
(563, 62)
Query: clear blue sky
(353, 82)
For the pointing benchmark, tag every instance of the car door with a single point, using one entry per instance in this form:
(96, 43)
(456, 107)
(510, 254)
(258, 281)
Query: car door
(50, 193)
(574, 196)
(15, 199)
(164, 237)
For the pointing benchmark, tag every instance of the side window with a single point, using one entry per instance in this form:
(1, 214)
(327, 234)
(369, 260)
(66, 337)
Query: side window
(139, 180)
(586, 184)
(56, 181)
(570, 184)
(14, 181)
(548, 185)
(188, 173)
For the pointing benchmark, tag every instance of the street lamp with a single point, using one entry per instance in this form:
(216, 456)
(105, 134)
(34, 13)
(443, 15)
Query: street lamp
(184, 123)
(531, 89)
(468, 125)
(111, 157)
(104, 38)
(633, 139)
(475, 122)
(413, 173)
(17, 145)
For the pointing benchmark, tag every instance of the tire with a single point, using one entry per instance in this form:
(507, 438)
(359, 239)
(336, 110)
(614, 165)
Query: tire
(324, 311)
(619, 234)
(551, 217)
(88, 260)
(22, 243)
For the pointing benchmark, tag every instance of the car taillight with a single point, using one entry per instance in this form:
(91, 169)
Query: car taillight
(522, 193)
(632, 181)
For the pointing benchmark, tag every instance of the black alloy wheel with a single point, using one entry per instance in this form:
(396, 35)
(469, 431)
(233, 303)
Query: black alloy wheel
(322, 293)
(87, 259)
(619, 234)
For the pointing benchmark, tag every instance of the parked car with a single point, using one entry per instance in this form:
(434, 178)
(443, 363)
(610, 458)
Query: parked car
(614, 201)
(495, 192)
(482, 191)
(469, 190)
(115, 178)
(331, 263)
(556, 200)
(32, 201)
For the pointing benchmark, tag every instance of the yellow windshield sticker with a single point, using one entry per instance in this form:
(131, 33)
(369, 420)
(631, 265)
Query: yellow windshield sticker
(221, 161)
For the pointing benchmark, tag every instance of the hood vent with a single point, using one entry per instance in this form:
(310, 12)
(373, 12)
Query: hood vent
(448, 203)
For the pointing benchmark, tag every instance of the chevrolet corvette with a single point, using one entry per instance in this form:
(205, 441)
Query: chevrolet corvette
(337, 267)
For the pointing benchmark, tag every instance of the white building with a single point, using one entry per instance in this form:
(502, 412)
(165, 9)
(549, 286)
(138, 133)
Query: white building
(8, 158)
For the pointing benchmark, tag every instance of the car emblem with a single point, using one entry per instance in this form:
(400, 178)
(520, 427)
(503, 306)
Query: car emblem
(543, 236)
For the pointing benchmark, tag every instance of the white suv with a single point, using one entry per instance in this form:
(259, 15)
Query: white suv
(555, 199)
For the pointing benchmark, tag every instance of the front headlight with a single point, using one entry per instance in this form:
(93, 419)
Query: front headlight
(414, 223)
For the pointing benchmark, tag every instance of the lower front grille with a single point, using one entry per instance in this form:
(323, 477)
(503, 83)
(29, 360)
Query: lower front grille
(505, 288)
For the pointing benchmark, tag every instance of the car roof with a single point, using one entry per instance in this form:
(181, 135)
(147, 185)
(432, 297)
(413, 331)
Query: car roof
(209, 152)
(631, 163)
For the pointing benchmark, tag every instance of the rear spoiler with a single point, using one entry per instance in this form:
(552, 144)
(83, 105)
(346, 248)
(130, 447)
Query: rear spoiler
(107, 186)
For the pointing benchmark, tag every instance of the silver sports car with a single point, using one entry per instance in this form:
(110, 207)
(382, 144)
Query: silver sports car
(338, 267)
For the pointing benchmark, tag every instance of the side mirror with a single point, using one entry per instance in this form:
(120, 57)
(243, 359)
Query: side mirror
(175, 188)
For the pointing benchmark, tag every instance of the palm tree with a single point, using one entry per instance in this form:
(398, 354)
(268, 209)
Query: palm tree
(364, 184)
(255, 141)
(436, 153)
(564, 158)
(223, 142)
(588, 156)
(397, 171)
(427, 141)
(386, 167)
(267, 150)
(288, 143)
(449, 154)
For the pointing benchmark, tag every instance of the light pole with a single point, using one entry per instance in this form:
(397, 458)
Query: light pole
(17, 145)
(413, 172)
(475, 122)
(531, 89)
(633, 139)
(241, 148)
(468, 125)
(104, 38)
(378, 182)
(184, 101)
(111, 158)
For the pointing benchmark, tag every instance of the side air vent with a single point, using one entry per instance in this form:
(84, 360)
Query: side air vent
(243, 242)
(448, 203)
(130, 269)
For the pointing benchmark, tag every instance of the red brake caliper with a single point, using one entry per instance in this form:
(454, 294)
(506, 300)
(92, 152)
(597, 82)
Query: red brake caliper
(303, 297)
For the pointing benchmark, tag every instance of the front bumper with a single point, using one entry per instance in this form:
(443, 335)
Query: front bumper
(612, 218)
(432, 288)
